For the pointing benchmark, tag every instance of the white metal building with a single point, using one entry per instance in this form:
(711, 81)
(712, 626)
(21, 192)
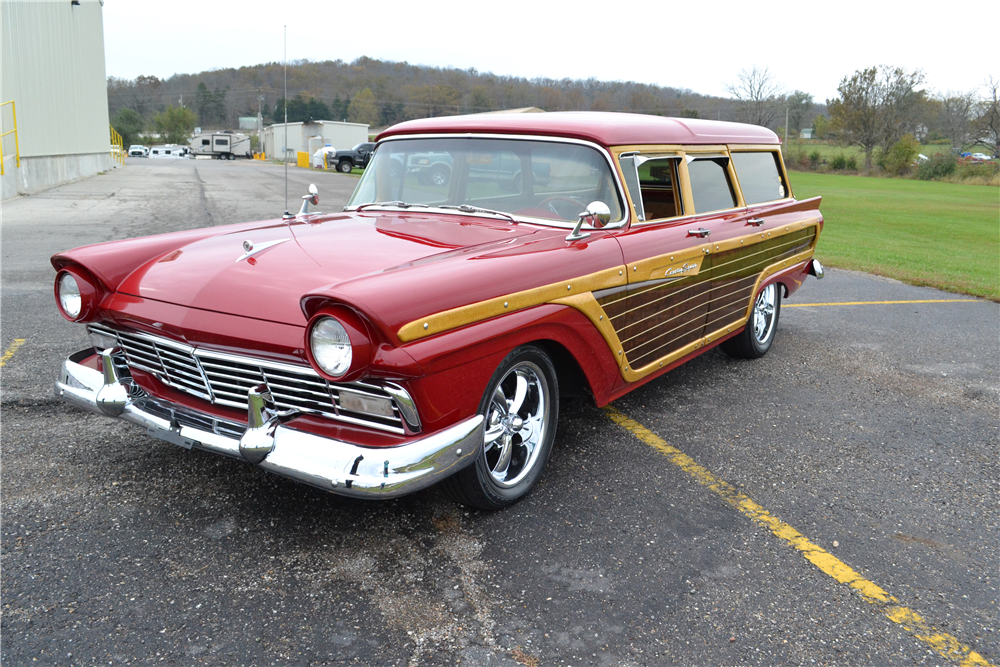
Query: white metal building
(321, 132)
(53, 71)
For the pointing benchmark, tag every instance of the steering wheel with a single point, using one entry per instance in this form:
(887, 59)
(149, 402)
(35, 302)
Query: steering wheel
(549, 201)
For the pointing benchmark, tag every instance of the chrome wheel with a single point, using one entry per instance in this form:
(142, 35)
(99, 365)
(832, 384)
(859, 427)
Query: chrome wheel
(520, 406)
(763, 314)
(515, 424)
(761, 327)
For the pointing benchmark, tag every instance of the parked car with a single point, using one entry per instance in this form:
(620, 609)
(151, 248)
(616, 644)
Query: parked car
(138, 150)
(426, 333)
(980, 157)
(345, 160)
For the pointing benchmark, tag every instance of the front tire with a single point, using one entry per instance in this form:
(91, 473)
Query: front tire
(758, 335)
(344, 167)
(521, 407)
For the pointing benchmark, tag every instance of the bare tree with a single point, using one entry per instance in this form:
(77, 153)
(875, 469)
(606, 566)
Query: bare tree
(799, 104)
(760, 98)
(987, 122)
(876, 107)
(955, 115)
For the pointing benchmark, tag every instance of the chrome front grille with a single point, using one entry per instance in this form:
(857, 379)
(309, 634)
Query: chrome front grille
(225, 379)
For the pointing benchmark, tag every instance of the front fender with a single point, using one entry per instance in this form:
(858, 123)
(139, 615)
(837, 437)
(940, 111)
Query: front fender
(459, 363)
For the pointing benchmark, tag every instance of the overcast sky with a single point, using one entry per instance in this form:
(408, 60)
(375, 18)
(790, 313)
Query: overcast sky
(698, 45)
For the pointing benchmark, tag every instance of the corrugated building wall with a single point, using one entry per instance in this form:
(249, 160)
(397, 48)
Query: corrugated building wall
(53, 70)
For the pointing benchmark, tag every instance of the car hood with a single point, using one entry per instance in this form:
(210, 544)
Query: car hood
(288, 260)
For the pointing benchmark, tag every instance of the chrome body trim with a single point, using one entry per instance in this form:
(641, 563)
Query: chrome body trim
(334, 465)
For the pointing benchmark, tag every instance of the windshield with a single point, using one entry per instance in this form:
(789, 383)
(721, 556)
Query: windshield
(546, 181)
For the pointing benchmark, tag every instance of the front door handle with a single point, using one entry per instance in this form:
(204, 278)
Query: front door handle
(756, 222)
(700, 232)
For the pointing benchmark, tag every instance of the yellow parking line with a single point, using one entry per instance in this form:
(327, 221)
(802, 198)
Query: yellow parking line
(943, 644)
(18, 342)
(876, 303)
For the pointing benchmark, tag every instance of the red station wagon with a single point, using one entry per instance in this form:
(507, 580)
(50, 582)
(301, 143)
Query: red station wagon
(426, 333)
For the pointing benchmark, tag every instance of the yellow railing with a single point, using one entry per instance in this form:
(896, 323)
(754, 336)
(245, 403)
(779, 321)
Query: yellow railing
(117, 143)
(17, 146)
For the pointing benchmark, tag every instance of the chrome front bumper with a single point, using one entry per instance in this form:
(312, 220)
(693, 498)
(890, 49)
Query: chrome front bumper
(332, 465)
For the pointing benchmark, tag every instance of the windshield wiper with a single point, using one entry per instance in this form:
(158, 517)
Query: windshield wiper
(466, 208)
(394, 204)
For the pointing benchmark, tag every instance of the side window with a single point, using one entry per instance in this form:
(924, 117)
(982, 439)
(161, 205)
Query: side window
(760, 176)
(205, 142)
(652, 182)
(658, 184)
(710, 184)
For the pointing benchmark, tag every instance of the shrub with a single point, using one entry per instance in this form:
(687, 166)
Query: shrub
(839, 163)
(939, 166)
(900, 156)
(814, 159)
(852, 163)
(979, 172)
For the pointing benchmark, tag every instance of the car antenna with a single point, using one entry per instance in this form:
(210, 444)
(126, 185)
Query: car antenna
(285, 102)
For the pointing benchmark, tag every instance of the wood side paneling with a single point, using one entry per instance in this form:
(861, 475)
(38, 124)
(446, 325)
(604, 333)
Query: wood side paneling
(655, 318)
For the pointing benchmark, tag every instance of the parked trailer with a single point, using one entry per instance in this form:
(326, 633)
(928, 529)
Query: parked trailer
(223, 145)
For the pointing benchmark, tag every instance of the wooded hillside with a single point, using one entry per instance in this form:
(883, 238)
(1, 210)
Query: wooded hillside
(396, 92)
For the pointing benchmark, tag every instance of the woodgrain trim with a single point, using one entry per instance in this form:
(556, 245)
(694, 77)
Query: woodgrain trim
(634, 375)
(578, 294)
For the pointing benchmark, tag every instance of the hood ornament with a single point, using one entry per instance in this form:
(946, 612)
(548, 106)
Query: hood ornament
(249, 249)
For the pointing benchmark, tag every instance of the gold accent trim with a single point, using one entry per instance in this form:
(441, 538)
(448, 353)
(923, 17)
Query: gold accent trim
(578, 293)
(646, 269)
(588, 305)
(509, 303)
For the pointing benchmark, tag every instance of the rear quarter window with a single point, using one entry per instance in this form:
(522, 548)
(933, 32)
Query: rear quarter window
(760, 177)
(710, 185)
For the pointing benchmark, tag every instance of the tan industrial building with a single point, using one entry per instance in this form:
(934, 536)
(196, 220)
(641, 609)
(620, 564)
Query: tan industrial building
(310, 137)
(53, 71)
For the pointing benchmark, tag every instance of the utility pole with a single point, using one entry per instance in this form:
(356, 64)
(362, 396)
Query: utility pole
(260, 122)
(786, 127)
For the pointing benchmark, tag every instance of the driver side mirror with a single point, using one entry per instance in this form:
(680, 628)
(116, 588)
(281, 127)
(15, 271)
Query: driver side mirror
(597, 215)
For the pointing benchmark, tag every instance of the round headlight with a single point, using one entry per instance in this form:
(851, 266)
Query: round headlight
(69, 296)
(331, 346)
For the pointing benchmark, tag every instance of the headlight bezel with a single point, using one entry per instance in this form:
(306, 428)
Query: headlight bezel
(357, 334)
(88, 293)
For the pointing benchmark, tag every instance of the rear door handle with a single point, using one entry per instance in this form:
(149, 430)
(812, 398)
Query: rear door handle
(756, 222)
(700, 233)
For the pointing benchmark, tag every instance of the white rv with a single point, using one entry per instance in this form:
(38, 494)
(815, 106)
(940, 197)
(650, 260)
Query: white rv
(223, 145)
(168, 151)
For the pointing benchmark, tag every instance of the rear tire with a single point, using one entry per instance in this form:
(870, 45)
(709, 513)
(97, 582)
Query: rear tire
(758, 335)
(521, 408)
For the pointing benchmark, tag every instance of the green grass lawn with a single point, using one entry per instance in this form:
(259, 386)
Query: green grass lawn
(922, 232)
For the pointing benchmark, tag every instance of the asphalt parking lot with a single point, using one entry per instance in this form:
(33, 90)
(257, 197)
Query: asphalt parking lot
(729, 513)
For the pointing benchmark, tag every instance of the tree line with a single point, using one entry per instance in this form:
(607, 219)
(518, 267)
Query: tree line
(875, 107)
